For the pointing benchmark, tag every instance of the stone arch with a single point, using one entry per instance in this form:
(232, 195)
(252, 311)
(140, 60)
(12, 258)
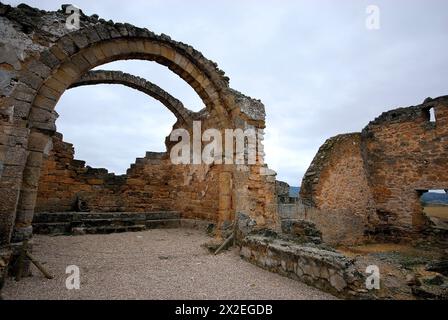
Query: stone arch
(77, 53)
(117, 77)
(72, 56)
(50, 57)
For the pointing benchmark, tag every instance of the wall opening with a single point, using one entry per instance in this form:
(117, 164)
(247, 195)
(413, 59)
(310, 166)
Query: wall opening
(430, 115)
(435, 206)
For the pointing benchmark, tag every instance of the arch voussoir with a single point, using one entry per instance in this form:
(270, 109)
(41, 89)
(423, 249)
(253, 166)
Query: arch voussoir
(118, 77)
(78, 51)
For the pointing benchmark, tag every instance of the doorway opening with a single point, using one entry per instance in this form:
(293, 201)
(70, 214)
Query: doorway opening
(435, 206)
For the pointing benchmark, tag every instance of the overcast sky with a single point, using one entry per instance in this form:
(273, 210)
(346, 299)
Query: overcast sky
(314, 64)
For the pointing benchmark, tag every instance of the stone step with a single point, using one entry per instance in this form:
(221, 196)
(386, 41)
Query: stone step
(52, 217)
(103, 222)
(163, 224)
(74, 216)
(107, 222)
(52, 228)
(111, 215)
(163, 215)
(112, 229)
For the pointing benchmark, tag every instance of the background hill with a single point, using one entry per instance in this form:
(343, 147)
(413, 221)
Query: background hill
(294, 191)
(435, 198)
(427, 198)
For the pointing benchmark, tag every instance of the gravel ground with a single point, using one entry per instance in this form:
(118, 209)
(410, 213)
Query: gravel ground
(154, 264)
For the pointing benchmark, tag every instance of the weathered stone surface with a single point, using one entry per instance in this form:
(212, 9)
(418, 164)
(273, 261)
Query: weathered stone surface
(5, 256)
(246, 225)
(369, 185)
(428, 292)
(41, 59)
(327, 270)
(253, 109)
(440, 267)
(151, 184)
(301, 230)
(358, 185)
(282, 191)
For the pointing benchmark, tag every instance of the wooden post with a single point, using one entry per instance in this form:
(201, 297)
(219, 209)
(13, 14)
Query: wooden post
(21, 260)
(25, 254)
(225, 243)
(39, 266)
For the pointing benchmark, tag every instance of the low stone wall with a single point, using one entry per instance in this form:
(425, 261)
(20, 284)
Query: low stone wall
(327, 270)
(338, 227)
(292, 210)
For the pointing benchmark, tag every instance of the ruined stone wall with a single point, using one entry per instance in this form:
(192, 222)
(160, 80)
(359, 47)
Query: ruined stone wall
(369, 184)
(405, 153)
(153, 183)
(336, 190)
(282, 191)
(41, 58)
(254, 194)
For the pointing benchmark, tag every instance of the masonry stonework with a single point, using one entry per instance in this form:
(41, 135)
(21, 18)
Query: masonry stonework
(153, 183)
(360, 187)
(41, 58)
(369, 184)
(335, 189)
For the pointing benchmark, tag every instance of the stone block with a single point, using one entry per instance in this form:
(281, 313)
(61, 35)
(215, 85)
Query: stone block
(15, 156)
(49, 59)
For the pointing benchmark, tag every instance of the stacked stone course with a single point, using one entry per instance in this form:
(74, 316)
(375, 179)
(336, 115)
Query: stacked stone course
(41, 58)
(369, 184)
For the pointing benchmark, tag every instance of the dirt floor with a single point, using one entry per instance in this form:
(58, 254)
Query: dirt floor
(438, 214)
(437, 211)
(155, 264)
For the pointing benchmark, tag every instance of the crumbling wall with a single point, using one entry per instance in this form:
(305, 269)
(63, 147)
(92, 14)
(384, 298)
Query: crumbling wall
(253, 185)
(152, 183)
(282, 191)
(405, 153)
(336, 191)
(41, 58)
(368, 184)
